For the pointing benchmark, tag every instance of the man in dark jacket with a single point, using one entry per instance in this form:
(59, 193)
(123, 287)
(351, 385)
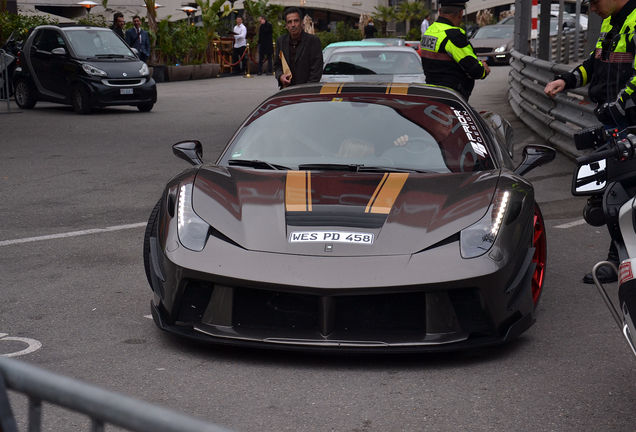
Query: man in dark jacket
(611, 72)
(137, 38)
(448, 58)
(118, 25)
(265, 46)
(298, 56)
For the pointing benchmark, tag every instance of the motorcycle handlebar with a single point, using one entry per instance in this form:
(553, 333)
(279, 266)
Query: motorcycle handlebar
(599, 155)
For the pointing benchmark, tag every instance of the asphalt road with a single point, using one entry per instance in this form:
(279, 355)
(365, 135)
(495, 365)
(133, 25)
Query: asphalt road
(86, 300)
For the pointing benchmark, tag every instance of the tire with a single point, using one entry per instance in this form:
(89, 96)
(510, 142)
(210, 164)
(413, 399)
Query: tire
(145, 107)
(151, 230)
(540, 255)
(80, 99)
(24, 94)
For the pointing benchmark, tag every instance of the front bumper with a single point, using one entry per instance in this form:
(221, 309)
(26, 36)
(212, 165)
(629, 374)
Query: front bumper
(103, 95)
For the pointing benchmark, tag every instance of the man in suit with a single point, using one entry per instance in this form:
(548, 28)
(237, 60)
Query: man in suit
(118, 25)
(137, 38)
(265, 48)
(301, 52)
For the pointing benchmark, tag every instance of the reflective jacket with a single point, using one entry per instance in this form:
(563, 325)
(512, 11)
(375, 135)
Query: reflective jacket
(448, 58)
(610, 70)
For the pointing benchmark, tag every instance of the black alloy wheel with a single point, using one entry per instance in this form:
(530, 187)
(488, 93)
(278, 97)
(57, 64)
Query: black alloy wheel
(145, 107)
(81, 99)
(24, 95)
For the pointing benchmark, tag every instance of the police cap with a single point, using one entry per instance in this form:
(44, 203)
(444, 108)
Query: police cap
(455, 3)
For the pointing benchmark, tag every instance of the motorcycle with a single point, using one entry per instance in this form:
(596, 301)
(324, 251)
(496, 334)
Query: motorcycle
(8, 63)
(610, 170)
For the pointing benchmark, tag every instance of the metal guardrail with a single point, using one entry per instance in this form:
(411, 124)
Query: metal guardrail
(555, 120)
(102, 406)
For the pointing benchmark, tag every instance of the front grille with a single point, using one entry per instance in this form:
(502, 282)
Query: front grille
(195, 299)
(482, 50)
(129, 82)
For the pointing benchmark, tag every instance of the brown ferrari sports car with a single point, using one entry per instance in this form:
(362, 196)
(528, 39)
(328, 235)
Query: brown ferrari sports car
(359, 217)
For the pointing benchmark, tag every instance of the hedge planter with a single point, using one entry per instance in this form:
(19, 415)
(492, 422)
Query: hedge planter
(205, 71)
(179, 73)
(158, 72)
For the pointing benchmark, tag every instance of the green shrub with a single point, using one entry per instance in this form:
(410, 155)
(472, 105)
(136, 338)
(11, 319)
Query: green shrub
(21, 23)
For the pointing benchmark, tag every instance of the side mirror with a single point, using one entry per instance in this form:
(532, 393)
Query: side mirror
(189, 151)
(134, 50)
(535, 156)
(59, 52)
(589, 179)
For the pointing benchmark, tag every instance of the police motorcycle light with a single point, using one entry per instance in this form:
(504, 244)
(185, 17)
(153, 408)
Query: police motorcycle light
(478, 238)
(192, 230)
(144, 70)
(92, 70)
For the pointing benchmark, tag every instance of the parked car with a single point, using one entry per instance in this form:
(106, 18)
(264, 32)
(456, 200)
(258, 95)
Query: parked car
(360, 43)
(377, 64)
(82, 66)
(569, 22)
(373, 217)
(493, 43)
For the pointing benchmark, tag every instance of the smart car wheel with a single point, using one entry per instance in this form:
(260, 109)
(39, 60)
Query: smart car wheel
(151, 230)
(24, 95)
(539, 258)
(81, 100)
(145, 107)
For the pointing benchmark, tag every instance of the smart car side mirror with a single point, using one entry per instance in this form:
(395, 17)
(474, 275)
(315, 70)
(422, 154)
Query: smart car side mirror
(535, 156)
(59, 51)
(134, 50)
(189, 151)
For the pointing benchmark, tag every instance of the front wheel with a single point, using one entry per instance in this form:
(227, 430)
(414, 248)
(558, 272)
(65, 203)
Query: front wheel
(145, 107)
(540, 255)
(81, 99)
(151, 231)
(24, 97)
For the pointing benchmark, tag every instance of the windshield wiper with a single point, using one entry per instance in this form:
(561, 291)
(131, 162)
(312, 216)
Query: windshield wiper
(354, 168)
(109, 55)
(256, 164)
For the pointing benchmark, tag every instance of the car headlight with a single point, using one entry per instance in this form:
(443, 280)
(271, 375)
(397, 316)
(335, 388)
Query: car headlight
(92, 70)
(501, 48)
(144, 70)
(478, 238)
(192, 230)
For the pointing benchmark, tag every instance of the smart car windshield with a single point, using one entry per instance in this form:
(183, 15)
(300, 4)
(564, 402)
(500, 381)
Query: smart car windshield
(93, 43)
(360, 132)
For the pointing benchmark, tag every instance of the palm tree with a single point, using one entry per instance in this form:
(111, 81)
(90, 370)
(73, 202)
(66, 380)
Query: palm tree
(409, 11)
(384, 14)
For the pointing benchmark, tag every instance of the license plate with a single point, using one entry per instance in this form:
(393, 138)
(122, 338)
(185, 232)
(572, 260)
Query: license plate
(330, 237)
(482, 58)
(125, 91)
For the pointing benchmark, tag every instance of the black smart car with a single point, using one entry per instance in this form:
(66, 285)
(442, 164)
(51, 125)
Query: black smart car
(81, 66)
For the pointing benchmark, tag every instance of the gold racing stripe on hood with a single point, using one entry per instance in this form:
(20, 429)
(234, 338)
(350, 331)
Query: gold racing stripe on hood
(386, 193)
(298, 191)
(331, 88)
(397, 88)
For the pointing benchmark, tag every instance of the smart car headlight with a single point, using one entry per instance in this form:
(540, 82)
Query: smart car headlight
(144, 70)
(478, 238)
(192, 230)
(92, 70)
(501, 49)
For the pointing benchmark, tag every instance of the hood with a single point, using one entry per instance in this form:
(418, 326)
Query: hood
(116, 68)
(490, 42)
(277, 211)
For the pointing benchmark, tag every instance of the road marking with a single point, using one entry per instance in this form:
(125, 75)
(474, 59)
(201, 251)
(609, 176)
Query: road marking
(571, 224)
(72, 234)
(33, 345)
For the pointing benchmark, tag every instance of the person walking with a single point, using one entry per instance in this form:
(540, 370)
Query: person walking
(240, 43)
(137, 38)
(265, 45)
(610, 70)
(370, 30)
(298, 56)
(448, 58)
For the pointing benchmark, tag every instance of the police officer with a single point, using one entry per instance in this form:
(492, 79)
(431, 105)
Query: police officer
(611, 72)
(448, 58)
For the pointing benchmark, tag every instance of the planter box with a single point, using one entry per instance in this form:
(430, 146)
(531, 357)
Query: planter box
(205, 71)
(179, 73)
(157, 72)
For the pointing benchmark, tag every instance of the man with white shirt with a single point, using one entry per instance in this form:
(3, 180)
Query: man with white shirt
(425, 24)
(240, 41)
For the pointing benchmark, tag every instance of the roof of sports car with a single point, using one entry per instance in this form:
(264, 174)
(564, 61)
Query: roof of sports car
(358, 87)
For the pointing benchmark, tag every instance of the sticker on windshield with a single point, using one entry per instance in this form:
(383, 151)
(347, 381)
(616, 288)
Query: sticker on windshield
(472, 132)
(330, 237)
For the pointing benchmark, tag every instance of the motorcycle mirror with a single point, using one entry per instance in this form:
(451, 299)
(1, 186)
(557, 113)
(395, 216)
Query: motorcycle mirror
(589, 179)
(189, 151)
(535, 156)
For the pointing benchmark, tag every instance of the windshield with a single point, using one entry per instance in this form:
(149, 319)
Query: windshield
(369, 62)
(497, 32)
(89, 43)
(399, 132)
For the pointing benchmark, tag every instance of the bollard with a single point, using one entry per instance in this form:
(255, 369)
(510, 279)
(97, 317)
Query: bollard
(218, 53)
(247, 51)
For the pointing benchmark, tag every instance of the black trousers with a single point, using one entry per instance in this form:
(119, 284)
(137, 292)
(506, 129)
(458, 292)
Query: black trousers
(236, 55)
(261, 60)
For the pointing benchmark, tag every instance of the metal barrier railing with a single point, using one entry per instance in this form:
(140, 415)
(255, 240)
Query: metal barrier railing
(4, 78)
(100, 405)
(555, 120)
